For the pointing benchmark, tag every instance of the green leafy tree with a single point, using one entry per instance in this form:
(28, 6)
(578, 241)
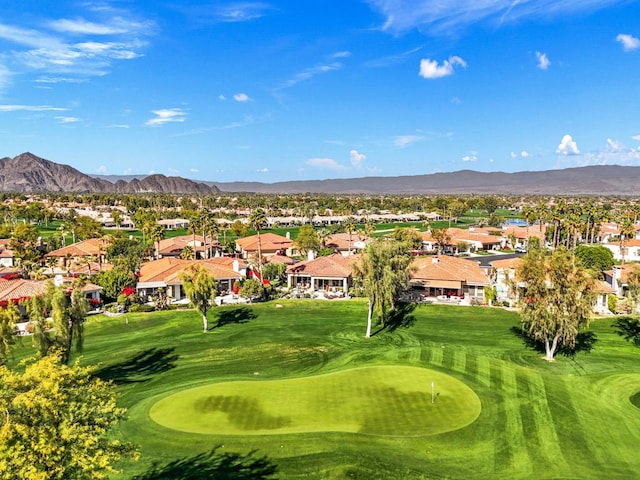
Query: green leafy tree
(24, 243)
(557, 299)
(9, 315)
(251, 288)
(307, 240)
(200, 287)
(633, 286)
(55, 423)
(87, 227)
(409, 236)
(274, 271)
(350, 227)
(68, 312)
(596, 258)
(383, 273)
(114, 281)
(42, 334)
(441, 237)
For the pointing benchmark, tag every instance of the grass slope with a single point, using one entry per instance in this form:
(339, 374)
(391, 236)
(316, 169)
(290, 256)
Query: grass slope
(574, 418)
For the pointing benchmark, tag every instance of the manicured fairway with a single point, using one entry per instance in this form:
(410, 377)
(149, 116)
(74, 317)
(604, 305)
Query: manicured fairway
(390, 400)
(577, 418)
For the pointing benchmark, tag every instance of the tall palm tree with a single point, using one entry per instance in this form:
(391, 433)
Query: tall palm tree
(349, 226)
(258, 221)
(627, 230)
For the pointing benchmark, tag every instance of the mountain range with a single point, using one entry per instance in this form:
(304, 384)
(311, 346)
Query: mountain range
(29, 173)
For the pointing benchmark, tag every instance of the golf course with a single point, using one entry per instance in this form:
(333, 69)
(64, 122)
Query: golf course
(295, 387)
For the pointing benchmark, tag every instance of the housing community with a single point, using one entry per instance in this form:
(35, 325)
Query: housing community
(464, 266)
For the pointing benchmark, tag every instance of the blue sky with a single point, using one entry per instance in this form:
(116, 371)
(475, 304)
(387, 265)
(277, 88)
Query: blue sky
(302, 89)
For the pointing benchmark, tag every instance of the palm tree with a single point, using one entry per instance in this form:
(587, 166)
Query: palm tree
(349, 226)
(258, 221)
(627, 230)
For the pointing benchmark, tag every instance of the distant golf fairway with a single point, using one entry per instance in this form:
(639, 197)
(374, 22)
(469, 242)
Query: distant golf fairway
(380, 400)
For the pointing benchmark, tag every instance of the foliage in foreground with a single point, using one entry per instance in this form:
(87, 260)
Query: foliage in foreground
(54, 423)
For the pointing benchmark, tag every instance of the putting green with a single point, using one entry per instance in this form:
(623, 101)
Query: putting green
(386, 400)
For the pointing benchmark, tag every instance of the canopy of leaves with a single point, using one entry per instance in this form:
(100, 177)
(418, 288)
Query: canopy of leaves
(55, 423)
(596, 258)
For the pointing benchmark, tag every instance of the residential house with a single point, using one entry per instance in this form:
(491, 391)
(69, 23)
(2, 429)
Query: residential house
(327, 276)
(346, 244)
(503, 275)
(473, 239)
(617, 277)
(173, 223)
(270, 244)
(629, 251)
(72, 257)
(446, 278)
(173, 247)
(165, 274)
(7, 258)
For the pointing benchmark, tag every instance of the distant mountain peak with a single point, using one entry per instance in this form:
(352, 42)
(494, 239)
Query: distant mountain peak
(29, 173)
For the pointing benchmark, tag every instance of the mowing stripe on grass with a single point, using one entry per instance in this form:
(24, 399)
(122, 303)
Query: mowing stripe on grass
(384, 400)
(511, 433)
(548, 445)
(436, 354)
(459, 360)
(483, 371)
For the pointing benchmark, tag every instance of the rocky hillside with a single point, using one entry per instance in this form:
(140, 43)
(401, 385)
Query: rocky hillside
(29, 173)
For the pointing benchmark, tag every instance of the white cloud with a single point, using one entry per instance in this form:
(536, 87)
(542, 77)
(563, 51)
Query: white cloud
(406, 140)
(241, 97)
(66, 120)
(431, 69)
(629, 42)
(524, 154)
(310, 73)
(263, 170)
(636, 137)
(221, 97)
(194, 170)
(64, 49)
(613, 153)
(241, 11)
(513, 155)
(172, 170)
(31, 108)
(543, 61)
(343, 54)
(470, 158)
(101, 170)
(440, 17)
(166, 115)
(567, 146)
(327, 163)
(357, 158)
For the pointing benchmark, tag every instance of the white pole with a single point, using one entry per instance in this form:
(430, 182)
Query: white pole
(433, 389)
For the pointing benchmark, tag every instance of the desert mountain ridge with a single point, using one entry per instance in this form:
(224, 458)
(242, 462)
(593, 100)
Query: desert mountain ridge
(30, 173)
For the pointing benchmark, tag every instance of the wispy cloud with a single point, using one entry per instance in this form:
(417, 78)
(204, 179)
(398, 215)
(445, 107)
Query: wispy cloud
(567, 146)
(430, 69)
(309, 73)
(31, 108)
(440, 17)
(66, 120)
(472, 157)
(326, 163)
(63, 50)
(543, 60)
(166, 115)
(629, 42)
(406, 140)
(224, 12)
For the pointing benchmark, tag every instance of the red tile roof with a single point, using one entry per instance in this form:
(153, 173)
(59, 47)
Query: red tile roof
(444, 267)
(330, 266)
(269, 243)
(167, 270)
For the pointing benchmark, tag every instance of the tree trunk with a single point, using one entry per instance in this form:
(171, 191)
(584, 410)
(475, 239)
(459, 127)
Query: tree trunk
(369, 319)
(550, 350)
(205, 323)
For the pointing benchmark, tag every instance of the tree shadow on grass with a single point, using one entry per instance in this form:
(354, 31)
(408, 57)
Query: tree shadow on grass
(629, 329)
(400, 317)
(235, 315)
(214, 465)
(140, 367)
(585, 342)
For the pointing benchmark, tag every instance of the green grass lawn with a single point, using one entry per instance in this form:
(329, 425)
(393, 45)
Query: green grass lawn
(349, 407)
